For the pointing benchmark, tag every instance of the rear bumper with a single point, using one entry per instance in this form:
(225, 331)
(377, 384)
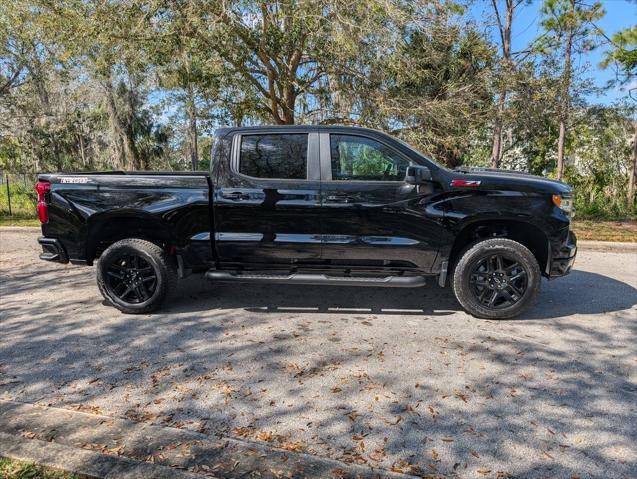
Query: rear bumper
(52, 250)
(563, 259)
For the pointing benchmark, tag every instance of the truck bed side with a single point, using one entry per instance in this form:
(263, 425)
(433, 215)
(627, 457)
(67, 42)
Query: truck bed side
(88, 212)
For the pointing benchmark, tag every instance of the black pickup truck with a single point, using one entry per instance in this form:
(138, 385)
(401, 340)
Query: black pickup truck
(312, 205)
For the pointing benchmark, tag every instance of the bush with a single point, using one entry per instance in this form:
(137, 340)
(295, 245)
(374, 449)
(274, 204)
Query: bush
(601, 196)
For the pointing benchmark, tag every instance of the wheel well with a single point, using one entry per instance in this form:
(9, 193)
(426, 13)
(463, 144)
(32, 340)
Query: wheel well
(104, 233)
(525, 233)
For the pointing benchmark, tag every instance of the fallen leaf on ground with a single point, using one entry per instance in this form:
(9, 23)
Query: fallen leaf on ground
(459, 395)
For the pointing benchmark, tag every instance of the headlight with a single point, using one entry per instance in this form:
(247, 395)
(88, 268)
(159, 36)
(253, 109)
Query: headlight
(565, 203)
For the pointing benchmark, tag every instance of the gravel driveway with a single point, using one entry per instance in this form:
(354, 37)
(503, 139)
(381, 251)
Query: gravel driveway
(392, 378)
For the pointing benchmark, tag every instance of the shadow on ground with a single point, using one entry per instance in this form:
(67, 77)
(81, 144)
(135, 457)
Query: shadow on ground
(383, 377)
(579, 293)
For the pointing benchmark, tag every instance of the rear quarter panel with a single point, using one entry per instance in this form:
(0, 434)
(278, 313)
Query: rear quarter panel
(82, 207)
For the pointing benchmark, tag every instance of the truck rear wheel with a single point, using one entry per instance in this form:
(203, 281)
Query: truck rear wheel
(496, 278)
(135, 275)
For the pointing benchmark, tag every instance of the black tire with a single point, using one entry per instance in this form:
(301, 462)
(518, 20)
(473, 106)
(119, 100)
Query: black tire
(136, 276)
(513, 279)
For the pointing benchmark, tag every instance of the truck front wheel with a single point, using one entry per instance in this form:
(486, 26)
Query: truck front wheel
(496, 279)
(135, 275)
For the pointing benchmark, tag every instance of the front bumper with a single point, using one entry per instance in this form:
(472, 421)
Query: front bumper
(563, 259)
(52, 250)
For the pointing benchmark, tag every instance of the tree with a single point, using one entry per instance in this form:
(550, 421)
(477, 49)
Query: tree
(275, 47)
(283, 50)
(632, 175)
(186, 67)
(602, 158)
(433, 88)
(623, 56)
(568, 31)
(99, 37)
(504, 28)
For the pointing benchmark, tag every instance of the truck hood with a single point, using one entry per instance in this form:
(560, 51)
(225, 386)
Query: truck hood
(493, 178)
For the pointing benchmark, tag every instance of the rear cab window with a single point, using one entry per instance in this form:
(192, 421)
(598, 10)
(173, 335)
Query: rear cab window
(274, 156)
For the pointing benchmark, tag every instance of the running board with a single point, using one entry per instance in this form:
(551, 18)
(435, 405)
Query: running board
(307, 278)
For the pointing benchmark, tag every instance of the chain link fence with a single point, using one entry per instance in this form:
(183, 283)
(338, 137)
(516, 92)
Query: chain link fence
(17, 194)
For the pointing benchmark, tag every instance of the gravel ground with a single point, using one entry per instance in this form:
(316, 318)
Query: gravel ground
(400, 379)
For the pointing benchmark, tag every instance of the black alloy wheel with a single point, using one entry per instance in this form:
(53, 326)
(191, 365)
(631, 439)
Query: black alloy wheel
(498, 281)
(496, 278)
(131, 279)
(136, 275)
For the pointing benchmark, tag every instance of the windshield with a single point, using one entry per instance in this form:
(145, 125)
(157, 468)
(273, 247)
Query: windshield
(422, 155)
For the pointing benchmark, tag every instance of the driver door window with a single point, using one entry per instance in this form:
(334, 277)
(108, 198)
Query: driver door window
(369, 212)
(356, 158)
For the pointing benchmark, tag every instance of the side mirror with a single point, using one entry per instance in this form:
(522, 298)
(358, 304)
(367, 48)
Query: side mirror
(417, 175)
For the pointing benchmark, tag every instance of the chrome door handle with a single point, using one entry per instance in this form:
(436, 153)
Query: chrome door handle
(235, 195)
(339, 199)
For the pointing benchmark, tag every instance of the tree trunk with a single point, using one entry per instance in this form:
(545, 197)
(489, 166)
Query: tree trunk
(505, 38)
(560, 149)
(135, 160)
(117, 130)
(80, 140)
(565, 100)
(192, 129)
(38, 79)
(34, 147)
(497, 131)
(191, 112)
(632, 175)
(289, 102)
(59, 164)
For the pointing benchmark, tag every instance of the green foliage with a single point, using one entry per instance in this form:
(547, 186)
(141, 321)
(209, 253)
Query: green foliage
(600, 176)
(561, 15)
(22, 195)
(436, 87)
(623, 54)
(12, 469)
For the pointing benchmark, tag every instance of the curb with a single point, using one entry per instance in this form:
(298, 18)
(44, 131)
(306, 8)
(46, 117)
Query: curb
(20, 229)
(607, 246)
(44, 433)
(84, 462)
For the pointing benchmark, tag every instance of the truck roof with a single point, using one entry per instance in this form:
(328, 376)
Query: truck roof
(264, 128)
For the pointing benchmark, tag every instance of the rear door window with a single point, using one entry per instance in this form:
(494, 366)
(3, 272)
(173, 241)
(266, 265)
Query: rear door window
(279, 156)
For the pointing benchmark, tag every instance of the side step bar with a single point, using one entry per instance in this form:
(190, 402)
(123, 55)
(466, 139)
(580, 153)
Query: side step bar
(308, 278)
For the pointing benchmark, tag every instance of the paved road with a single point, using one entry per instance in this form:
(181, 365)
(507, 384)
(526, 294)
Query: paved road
(391, 378)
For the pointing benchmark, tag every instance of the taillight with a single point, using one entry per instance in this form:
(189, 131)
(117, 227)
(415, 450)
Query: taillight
(42, 188)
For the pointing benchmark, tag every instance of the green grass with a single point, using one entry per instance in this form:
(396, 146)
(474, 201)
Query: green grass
(23, 199)
(596, 230)
(6, 220)
(12, 469)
